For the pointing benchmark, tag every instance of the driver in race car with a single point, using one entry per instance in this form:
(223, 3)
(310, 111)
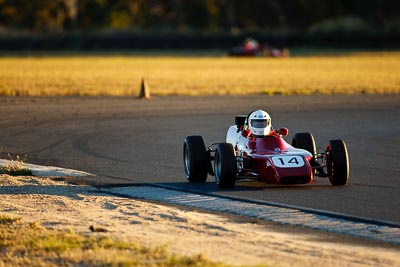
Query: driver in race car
(259, 125)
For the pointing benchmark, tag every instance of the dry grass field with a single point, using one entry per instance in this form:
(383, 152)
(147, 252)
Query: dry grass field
(31, 244)
(371, 73)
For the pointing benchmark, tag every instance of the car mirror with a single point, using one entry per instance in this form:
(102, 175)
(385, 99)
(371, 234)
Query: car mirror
(246, 133)
(283, 131)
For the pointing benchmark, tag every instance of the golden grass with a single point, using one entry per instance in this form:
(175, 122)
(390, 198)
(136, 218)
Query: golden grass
(15, 167)
(30, 244)
(116, 75)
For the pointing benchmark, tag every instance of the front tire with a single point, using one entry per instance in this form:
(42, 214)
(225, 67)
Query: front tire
(195, 159)
(337, 162)
(225, 166)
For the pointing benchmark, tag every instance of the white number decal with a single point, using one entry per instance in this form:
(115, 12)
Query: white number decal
(288, 161)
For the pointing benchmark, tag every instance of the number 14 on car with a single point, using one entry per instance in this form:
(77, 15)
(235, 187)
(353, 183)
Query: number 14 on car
(288, 161)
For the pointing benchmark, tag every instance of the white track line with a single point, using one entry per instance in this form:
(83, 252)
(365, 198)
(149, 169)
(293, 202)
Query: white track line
(283, 215)
(46, 171)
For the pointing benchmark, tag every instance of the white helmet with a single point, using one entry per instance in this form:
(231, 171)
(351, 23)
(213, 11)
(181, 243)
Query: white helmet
(259, 123)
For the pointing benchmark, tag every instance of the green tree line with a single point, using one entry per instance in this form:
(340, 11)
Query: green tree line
(193, 16)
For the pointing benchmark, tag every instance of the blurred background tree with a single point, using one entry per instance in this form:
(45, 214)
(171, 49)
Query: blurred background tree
(220, 16)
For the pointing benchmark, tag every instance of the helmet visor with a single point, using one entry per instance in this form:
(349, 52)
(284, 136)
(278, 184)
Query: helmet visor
(260, 123)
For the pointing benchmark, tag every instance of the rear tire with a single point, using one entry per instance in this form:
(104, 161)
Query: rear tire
(195, 159)
(337, 162)
(305, 141)
(225, 166)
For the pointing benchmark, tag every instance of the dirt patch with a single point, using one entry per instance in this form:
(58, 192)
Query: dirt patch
(230, 239)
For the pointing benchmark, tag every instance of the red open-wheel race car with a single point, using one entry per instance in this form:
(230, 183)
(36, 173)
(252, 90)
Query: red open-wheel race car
(252, 48)
(267, 158)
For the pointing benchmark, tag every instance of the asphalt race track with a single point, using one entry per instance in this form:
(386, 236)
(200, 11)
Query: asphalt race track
(131, 141)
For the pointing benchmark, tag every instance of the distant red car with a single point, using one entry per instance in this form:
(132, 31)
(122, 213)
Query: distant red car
(269, 159)
(251, 48)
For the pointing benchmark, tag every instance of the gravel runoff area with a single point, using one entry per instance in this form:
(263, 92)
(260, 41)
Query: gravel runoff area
(56, 203)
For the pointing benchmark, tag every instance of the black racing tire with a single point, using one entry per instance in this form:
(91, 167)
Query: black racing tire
(305, 141)
(225, 167)
(337, 162)
(195, 159)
